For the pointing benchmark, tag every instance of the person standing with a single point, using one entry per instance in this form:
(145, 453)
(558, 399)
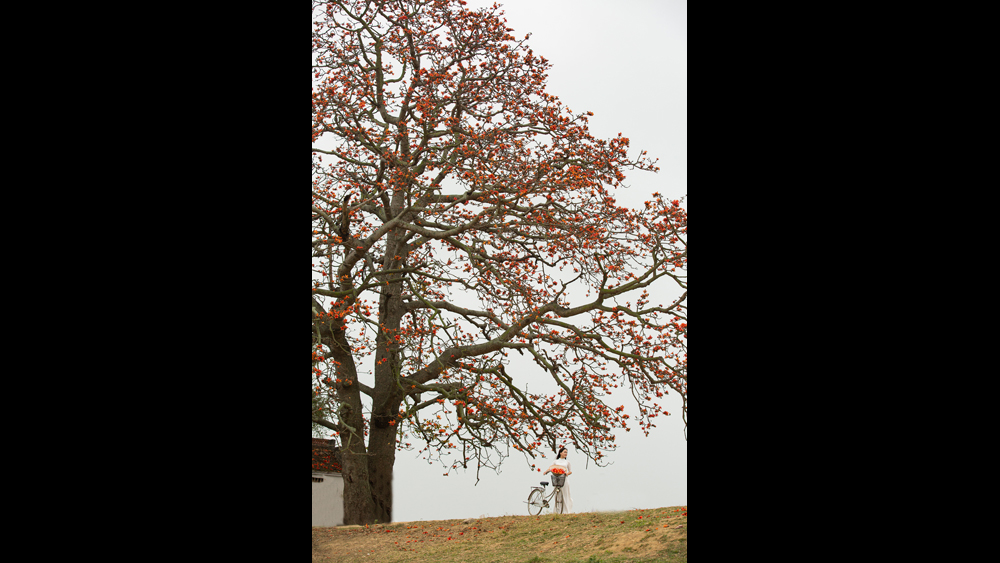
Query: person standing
(563, 462)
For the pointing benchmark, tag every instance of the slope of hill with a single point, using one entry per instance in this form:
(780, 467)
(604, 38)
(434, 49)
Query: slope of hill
(658, 534)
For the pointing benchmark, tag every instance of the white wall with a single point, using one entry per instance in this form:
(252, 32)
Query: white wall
(328, 499)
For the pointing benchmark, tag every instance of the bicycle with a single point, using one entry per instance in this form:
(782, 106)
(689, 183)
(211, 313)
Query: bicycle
(538, 501)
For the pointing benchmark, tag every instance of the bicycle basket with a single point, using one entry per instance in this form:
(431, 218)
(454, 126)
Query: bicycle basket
(558, 480)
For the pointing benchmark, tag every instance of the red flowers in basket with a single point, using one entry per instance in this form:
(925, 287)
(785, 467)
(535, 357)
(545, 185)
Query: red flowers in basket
(559, 471)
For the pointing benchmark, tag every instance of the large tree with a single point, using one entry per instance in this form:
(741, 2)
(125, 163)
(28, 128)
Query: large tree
(461, 214)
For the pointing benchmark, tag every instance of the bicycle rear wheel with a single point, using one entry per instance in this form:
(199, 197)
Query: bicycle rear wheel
(560, 508)
(535, 503)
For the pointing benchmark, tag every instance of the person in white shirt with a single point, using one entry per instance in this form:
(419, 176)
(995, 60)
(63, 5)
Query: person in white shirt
(563, 462)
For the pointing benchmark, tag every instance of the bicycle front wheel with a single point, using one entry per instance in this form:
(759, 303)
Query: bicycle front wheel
(560, 508)
(535, 503)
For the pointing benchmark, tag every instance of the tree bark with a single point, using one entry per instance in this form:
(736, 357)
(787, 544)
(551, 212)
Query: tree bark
(359, 505)
(387, 393)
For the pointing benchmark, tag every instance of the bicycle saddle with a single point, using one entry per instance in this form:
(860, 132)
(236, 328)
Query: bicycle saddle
(545, 483)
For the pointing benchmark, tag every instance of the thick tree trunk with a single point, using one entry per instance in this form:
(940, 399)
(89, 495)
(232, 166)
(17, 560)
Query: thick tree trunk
(368, 470)
(359, 504)
(359, 507)
(380, 465)
(387, 394)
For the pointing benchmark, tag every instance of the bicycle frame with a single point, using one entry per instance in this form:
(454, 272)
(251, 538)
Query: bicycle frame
(538, 502)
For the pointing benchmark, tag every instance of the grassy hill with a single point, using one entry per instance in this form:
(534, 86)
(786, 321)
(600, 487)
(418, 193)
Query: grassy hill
(658, 534)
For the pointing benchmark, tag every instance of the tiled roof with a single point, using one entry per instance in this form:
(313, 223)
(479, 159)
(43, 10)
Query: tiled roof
(326, 456)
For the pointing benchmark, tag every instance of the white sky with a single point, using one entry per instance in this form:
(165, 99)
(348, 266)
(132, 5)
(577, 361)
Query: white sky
(626, 61)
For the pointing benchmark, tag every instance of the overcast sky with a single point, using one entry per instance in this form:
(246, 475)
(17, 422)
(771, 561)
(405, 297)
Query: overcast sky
(626, 61)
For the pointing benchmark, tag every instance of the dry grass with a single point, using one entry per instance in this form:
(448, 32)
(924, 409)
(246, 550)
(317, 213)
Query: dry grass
(658, 534)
